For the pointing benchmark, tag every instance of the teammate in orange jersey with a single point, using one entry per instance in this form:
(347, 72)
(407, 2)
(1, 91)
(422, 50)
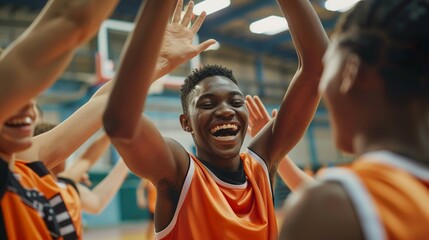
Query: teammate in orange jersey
(376, 86)
(33, 68)
(27, 67)
(92, 201)
(219, 193)
(146, 198)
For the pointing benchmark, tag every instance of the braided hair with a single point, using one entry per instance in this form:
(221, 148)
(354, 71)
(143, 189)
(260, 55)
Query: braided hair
(197, 76)
(393, 36)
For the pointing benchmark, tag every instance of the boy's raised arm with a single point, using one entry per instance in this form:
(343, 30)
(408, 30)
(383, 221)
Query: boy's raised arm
(302, 98)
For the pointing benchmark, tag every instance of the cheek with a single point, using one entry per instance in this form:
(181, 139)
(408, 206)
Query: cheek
(244, 115)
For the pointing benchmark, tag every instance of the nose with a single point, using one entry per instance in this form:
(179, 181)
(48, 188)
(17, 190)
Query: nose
(31, 106)
(225, 111)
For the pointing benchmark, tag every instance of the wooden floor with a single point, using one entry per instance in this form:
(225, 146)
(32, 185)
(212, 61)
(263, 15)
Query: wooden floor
(129, 231)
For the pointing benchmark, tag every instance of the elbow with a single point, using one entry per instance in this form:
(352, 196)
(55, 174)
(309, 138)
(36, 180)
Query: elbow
(94, 211)
(312, 68)
(116, 128)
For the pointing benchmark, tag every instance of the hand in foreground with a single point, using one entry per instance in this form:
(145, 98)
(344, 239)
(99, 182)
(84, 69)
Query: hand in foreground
(258, 115)
(177, 46)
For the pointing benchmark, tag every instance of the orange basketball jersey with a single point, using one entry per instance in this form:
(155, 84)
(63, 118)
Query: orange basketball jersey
(25, 213)
(210, 208)
(151, 196)
(73, 204)
(390, 194)
(64, 199)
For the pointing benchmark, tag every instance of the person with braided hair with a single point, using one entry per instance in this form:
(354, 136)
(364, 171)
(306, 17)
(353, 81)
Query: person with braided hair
(376, 86)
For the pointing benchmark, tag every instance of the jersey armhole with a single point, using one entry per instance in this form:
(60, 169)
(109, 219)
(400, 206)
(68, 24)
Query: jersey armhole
(370, 222)
(185, 188)
(264, 167)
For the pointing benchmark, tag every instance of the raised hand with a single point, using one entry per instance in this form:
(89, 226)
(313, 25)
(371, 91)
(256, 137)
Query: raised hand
(258, 115)
(177, 46)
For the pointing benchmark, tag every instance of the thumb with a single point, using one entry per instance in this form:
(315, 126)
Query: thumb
(274, 112)
(206, 44)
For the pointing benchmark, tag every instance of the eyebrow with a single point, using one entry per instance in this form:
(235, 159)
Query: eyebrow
(231, 93)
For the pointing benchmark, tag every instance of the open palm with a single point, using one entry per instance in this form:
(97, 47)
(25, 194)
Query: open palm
(177, 46)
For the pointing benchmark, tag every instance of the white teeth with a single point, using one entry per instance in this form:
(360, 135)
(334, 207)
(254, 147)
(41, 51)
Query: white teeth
(225, 137)
(20, 121)
(224, 126)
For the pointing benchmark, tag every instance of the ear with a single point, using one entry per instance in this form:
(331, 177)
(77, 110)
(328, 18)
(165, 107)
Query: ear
(350, 73)
(184, 122)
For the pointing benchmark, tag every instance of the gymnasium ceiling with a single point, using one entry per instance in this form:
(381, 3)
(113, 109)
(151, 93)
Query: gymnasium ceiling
(230, 26)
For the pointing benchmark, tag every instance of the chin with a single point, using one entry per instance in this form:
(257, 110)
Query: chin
(10, 147)
(229, 153)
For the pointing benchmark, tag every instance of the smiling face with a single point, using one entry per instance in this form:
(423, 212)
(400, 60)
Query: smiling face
(218, 118)
(16, 133)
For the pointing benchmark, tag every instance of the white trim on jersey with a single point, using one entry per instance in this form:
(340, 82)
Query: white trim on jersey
(262, 163)
(163, 233)
(398, 161)
(371, 224)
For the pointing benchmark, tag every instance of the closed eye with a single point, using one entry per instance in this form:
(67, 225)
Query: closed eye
(237, 103)
(206, 105)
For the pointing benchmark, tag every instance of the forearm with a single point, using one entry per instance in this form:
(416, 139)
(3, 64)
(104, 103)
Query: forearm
(82, 164)
(302, 97)
(292, 175)
(136, 70)
(309, 37)
(140, 194)
(95, 150)
(76, 171)
(110, 185)
(71, 133)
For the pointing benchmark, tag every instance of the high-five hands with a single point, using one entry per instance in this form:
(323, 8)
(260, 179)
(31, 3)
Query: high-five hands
(258, 115)
(177, 46)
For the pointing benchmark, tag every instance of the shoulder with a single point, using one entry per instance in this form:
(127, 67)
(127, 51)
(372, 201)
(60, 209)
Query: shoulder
(326, 209)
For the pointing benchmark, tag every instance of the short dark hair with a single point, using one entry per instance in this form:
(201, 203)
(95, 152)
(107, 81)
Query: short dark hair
(43, 127)
(393, 36)
(200, 74)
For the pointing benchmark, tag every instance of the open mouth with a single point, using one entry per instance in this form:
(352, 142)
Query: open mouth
(19, 122)
(225, 131)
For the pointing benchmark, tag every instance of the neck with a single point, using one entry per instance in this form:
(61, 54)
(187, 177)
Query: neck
(225, 164)
(9, 158)
(406, 133)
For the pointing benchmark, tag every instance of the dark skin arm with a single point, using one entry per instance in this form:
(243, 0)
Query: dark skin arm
(176, 48)
(288, 171)
(164, 162)
(300, 102)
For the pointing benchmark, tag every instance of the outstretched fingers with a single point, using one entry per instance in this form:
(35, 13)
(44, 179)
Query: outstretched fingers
(253, 110)
(188, 14)
(261, 108)
(178, 11)
(197, 24)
